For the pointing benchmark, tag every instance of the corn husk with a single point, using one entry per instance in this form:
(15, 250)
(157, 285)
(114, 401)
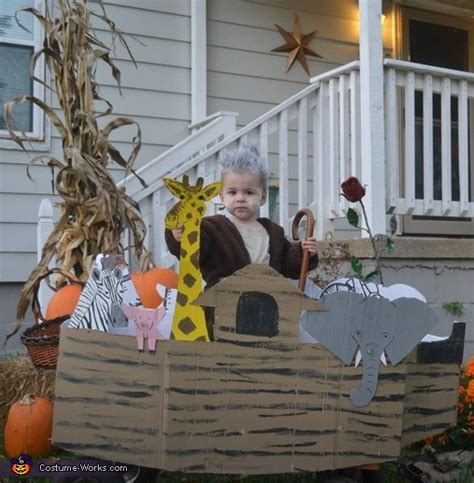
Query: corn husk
(94, 211)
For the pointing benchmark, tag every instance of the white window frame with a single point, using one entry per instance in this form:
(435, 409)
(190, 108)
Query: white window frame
(38, 133)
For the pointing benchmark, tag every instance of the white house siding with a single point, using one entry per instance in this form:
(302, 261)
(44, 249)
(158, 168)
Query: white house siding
(157, 95)
(243, 76)
(246, 77)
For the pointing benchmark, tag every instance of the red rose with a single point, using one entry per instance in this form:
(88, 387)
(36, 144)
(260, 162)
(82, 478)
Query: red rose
(352, 190)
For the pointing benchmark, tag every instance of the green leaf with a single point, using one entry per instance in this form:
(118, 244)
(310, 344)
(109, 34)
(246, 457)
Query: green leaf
(353, 217)
(390, 247)
(372, 276)
(454, 308)
(356, 265)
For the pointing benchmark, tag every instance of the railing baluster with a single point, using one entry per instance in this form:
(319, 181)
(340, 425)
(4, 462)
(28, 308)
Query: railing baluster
(336, 148)
(324, 223)
(43, 230)
(217, 167)
(316, 151)
(428, 144)
(409, 175)
(356, 166)
(157, 225)
(334, 177)
(302, 154)
(201, 170)
(344, 136)
(263, 146)
(463, 141)
(146, 212)
(311, 159)
(283, 157)
(392, 147)
(446, 196)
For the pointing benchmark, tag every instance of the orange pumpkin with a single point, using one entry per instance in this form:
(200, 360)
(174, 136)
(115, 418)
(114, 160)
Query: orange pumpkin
(145, 285)
(63, 302)
(29, 427)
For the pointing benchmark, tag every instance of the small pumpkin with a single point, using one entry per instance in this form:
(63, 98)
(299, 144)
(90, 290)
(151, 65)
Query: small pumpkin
(63, 302)
(29, 427)
(145, 285)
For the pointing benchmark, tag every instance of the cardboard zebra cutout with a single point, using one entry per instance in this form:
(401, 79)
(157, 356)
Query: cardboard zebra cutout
(100, 304)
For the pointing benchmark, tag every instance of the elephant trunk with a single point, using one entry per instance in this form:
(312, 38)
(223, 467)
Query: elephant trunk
(371, 363)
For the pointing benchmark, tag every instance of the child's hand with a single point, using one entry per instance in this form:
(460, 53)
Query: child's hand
(177, 233)
(310, 245)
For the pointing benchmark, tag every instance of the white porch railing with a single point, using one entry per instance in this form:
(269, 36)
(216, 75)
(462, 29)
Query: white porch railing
(430, 132)
(210, 131)
(296, 139)
(155, 200)
(312, 142)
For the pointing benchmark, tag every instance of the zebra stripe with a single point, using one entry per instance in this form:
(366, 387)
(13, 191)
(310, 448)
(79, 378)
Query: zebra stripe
(98, 303)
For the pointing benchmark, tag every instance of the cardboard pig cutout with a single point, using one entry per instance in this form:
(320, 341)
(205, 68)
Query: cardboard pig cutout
(152, 324)
(146, 324)
(189, 322)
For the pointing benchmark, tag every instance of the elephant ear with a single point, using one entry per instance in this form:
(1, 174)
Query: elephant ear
(413, 320)
(333, 328)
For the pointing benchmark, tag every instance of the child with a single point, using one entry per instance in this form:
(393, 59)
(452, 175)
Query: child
(237, 238)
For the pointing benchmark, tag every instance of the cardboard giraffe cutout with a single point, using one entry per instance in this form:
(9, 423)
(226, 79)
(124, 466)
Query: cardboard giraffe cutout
(189, 322)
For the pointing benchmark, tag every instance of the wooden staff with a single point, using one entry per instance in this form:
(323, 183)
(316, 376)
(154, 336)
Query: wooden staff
(305, 212)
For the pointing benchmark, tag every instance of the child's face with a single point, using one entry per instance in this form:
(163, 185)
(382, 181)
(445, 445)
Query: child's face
(242, 195)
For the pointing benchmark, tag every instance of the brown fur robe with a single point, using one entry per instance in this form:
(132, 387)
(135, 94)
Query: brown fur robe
(222, 250)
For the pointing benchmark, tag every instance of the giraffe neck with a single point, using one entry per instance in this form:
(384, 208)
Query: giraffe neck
(189, 273)
(189, 322)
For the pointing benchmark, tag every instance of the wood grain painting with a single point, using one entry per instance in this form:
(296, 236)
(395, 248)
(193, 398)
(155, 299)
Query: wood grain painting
(245, 403)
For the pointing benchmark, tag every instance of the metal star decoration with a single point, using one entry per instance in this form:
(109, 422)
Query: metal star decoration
(297, 45)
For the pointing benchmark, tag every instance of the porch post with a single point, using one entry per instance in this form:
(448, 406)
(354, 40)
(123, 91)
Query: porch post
(372, 113)
(198, 60)
(43, 230)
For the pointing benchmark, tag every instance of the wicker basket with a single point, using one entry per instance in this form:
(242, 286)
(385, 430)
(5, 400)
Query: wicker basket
(42, 340)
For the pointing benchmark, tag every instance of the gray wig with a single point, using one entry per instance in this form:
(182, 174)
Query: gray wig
(244, 159)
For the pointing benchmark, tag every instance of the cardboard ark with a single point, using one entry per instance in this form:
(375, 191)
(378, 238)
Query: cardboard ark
(246, 403)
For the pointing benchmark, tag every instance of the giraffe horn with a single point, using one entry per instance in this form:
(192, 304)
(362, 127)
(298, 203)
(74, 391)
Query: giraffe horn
(185, 180)
(200, 181)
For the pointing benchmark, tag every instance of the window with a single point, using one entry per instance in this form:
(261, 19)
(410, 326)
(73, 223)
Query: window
(16, 48)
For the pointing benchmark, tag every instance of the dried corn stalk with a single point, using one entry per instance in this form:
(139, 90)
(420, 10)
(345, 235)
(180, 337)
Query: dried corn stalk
(95, 212)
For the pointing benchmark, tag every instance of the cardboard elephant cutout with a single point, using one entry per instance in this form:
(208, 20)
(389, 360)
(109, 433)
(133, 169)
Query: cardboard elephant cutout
(375, 325)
